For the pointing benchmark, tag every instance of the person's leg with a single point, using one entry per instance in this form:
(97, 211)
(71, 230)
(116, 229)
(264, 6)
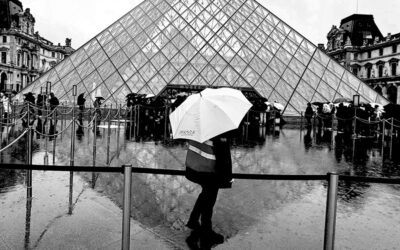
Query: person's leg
(193, 222)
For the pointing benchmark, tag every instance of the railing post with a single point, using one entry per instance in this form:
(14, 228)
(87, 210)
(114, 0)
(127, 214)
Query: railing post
(54, 133)
(119, 127)
(391, 139)
(126, 207)
(383, 135)
(94, 139)
(72, 153)
(331, 203)
(108, 135)
(301, 120)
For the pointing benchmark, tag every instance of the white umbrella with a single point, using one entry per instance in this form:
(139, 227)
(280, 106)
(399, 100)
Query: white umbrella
(209, 113)
(278, 106)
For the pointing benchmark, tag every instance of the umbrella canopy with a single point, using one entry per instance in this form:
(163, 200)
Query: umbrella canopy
(279, 106)
(342, 99)
(209, 113)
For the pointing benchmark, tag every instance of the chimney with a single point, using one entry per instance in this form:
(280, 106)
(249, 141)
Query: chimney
(389, 37)
(321, 46)
(68, 42)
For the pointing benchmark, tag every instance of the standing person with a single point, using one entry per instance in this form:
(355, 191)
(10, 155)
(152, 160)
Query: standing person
(81, 104)
(309, 113)
(6, 109)
(97, 113)
(40, 125)
(54, 102)
(208, 164)
(28, 112)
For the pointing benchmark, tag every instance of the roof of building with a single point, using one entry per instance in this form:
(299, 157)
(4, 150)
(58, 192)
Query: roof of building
(361, 28)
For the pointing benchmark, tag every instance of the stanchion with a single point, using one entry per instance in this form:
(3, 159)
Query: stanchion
(94, 140)
(131, 123)
(383, 136)
(391, 139)
(71, 190)
(108, 136)
(54, 137)
(137, 133)
(165, 122)
(62, 121)
(126, 218)
(330, 219)
(72, 153)
(29, 158)
(119, 126)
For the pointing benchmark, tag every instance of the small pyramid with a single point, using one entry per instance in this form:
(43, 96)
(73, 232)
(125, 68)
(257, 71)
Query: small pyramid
(204, 43)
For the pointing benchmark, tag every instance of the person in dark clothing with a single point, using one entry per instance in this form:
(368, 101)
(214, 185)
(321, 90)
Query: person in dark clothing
(211, 177)
(28, 114)
(40, 125)
(309, 113)
(81, 104)
(54, 102)
(97, 113)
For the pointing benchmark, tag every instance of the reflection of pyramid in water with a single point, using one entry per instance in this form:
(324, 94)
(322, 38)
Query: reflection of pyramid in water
(208, 43)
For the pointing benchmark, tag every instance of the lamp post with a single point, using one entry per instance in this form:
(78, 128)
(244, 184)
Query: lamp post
(356, 104)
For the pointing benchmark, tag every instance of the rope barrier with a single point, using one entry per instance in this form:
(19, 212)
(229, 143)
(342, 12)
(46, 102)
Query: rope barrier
(89, 124)
(183, 172)
(17, 139)
(59, 133)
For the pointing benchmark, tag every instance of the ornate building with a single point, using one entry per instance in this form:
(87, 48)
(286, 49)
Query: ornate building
(24, 54)
(359, 45)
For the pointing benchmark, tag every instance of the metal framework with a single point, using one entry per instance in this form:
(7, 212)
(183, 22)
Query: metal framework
(210, 43)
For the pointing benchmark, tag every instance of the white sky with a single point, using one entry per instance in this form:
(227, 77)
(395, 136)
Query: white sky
(81, 20)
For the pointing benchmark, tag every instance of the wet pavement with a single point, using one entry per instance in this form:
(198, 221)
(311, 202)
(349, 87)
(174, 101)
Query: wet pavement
(252, 215)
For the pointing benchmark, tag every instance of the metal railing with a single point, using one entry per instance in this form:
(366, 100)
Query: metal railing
(127, 170)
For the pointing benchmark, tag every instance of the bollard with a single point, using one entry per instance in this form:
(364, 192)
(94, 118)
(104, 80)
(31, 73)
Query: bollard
(94, 140)
(126, 207)
(108, 136)
(119, 127)
(391, 139)
(29, 172)
(330, 219)
(71, 189)
(54, 137)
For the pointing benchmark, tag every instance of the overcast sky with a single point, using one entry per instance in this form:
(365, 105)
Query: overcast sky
(81, 20)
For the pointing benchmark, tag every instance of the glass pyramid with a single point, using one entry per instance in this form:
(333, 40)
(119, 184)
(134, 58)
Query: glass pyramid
(195, 43)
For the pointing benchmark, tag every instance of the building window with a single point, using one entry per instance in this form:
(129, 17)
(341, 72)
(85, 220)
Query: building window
(4, 57)
(369, 70)
(381, 51)
(53, 54)
(355, 56)
(19, 59)
(394, 48)
(4, 39)
(394, 68)
(380, 70)
(369, 54)
(355, 71)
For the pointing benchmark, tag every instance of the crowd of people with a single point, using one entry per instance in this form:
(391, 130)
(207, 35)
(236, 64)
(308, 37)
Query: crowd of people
(367, 115)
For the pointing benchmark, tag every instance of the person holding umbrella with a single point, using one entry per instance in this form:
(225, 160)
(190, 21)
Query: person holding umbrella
(206, 119)
(97, 113)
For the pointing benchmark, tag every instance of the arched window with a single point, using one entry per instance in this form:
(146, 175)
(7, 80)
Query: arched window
(3, 81)
(392, 93)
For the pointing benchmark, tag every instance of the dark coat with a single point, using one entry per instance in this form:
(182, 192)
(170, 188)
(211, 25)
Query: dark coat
(222, 175)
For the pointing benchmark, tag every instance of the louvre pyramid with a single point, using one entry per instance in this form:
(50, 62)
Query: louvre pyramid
(203, 43)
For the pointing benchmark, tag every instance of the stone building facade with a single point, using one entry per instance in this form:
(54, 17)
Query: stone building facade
(359, 45)
(24, 54)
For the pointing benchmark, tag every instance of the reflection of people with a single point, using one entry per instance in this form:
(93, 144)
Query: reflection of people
(97, 113)
(208, 164)
(81, 104)
(54, 102)
(309, 113)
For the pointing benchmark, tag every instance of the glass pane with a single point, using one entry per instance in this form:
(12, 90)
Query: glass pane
(120, 94)
(263, 88)
(277, 65)
(331, 79)
(157, 84)
(290, 46)
(147, 71)
(299, 102)
(311, 78)
(98, 58)
(168, 72)
(302, 56)
(139, 59)
(130, 49)
(92, 81)
(270, 76)
(119, 58)
(127, 70)
(321, 57)
(346, 91)
(369, 94)
(114, 82)
(111, 48)
(135, 83)
(305, 90)
(116, 29)
(326, 91)
(297, 66)
(104, 37)
(64, 67)
(123, 39)
(258, 65)
(188, 73)
(337, 69)
(159, 60)
(106, 69)
(70, 80)
(250, 76)
(351, 80)
(78, 57)
(284, 89)
(291, 78)
(316, 67)
(283, 55)
(91, 47)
